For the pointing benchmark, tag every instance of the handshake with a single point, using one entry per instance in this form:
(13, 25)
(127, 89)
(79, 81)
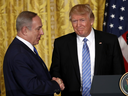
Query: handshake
(60, 82)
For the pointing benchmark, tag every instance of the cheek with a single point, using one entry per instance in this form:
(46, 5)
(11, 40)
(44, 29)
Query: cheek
(36, 34)
(85, 23)
(74, 26)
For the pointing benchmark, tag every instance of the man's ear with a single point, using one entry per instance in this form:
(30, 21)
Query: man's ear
(24, 30)
(92, 21)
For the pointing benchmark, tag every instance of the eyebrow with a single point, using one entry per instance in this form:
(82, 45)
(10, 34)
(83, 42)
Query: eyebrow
(39, 27)
(79, 19)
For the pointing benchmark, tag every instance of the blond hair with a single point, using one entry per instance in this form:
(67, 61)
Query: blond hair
(81, 9)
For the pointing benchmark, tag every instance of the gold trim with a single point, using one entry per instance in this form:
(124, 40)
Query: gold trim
(120, 83)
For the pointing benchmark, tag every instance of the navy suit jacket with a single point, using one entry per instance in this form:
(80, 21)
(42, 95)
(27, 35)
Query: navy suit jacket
(108, 60)
(25, 73)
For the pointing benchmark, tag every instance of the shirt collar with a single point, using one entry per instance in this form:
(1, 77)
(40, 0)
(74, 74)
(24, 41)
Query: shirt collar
(90, 37)
(26, 43)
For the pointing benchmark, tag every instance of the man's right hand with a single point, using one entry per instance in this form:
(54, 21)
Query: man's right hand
(60, 82)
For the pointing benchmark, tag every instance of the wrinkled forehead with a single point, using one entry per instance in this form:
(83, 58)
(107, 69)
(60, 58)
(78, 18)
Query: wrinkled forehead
(80, 14)
(36, 21)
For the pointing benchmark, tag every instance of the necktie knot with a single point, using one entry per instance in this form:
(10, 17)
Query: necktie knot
(85, 43)
(85, 40)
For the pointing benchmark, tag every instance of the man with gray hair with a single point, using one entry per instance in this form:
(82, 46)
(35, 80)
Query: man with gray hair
(25, 73)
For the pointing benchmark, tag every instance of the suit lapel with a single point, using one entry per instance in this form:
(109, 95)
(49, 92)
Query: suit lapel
(98, 50)
(17, 41)
(74, 56)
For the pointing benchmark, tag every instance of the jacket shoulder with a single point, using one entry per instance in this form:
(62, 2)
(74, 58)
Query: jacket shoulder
(105, 35)
(66, 37)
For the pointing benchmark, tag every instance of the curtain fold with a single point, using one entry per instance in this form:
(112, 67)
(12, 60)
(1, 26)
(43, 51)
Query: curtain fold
(55, 18)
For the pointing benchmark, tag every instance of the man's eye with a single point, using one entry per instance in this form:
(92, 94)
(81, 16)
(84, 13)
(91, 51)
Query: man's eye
(83, 20)
(74, 21)
(38, 28)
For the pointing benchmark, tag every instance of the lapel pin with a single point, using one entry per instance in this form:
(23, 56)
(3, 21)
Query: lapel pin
(100, 42)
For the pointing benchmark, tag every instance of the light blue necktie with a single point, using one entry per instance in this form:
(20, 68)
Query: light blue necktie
(86, 69)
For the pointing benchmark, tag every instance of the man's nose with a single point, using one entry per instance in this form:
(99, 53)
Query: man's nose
(78, 23)
(41, 32)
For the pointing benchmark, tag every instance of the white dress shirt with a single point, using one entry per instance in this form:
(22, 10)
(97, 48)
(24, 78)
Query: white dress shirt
(91, 45)
(26, 43)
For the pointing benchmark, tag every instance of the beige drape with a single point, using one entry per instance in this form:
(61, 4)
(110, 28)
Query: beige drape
(55, 18)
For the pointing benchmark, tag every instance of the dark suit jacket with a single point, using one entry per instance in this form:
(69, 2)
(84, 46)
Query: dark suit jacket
(108, 60)
(25, 74)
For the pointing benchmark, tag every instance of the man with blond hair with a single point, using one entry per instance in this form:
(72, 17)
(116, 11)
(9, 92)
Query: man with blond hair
(69, 62)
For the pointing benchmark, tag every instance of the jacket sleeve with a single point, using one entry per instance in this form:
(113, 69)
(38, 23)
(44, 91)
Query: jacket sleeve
(32, 77)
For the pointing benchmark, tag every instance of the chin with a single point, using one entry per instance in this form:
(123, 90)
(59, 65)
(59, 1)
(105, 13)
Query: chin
(36, 43)
(81, 35)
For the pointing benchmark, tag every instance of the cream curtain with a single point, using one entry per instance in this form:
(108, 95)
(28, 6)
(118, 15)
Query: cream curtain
(55, 18)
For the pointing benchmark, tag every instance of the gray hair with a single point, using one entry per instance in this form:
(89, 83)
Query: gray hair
(24, 19)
